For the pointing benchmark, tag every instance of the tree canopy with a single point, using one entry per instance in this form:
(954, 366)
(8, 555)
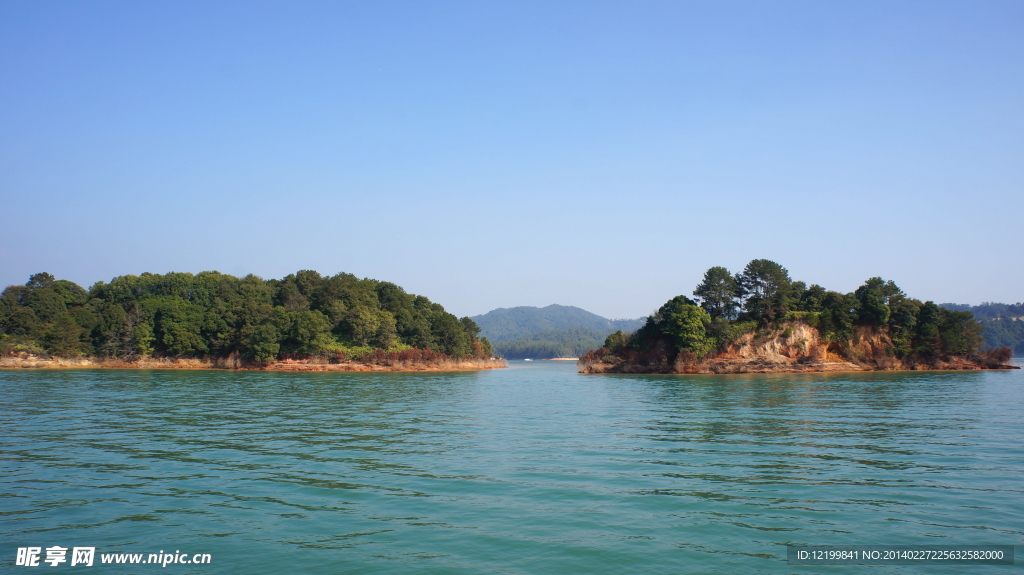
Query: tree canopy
(764, 296)
(1003, 323)
(717, 293)
(215, 315)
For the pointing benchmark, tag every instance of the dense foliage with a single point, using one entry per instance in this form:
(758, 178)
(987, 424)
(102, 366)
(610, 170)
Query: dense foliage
(764, 296)
(1003, 323)
(569, 342)
(216, 315)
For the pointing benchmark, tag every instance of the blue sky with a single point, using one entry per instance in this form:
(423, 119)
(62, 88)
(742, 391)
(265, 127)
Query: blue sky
(492, 154)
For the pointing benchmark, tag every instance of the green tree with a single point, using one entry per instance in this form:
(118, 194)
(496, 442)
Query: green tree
(40, 281)
(721, 330)
(902, 321)
(387, 331)
(72, 293)
(414, 328)
(838, 312)
(308, 281)
(310, 333)
(177, 325)
(142, 338)
(18, 320)
(64, 338)
(450, 335)
(874, 297)
(336, 312)
(717, 293)
(393, 298)
(486, 349)
(114, 335)
(260, 330)
(811, 299)
(927, 338)
(216, 332)
(46, 303)
(15, 294)
(686, 325)
(261, 341)
(959, 332)
(766, 289)
(470, 326)
(85, 317)
(289, 296)
(616, 341)
(363, 324)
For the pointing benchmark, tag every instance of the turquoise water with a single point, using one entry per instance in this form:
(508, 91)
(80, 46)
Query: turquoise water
(534, 469)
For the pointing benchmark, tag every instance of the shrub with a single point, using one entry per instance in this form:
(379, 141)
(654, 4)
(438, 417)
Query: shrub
(811, 318)
(741, 328)
(997, 357)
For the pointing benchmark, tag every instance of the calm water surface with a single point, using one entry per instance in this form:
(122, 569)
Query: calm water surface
(534, 469)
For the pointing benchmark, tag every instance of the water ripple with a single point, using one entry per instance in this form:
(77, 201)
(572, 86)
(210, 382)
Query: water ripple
(534, 469)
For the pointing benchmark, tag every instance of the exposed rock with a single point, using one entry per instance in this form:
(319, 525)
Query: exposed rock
(794, 348)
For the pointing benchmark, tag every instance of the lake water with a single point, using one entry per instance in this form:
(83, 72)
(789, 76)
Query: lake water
(533, 469)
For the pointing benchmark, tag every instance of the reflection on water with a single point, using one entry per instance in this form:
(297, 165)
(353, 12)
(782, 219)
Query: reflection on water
(534, 469)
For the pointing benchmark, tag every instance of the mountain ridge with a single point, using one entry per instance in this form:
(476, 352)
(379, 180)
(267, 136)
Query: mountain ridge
(551, 331)
(521, 321)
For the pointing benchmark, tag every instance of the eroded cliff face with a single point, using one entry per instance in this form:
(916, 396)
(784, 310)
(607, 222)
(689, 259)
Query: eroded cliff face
(795, 347)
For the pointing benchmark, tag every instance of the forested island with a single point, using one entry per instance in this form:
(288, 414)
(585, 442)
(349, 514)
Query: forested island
(210, 319)
(760, 321)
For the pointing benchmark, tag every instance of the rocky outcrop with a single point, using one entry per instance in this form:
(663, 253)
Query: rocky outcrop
(793, 348)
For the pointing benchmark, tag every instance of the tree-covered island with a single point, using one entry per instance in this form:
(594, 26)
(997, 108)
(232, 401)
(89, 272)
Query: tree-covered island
(760, 320)
(218, 320)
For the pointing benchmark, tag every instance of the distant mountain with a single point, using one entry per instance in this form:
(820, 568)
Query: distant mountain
(507, 323)
(552, 331)
(989, 310)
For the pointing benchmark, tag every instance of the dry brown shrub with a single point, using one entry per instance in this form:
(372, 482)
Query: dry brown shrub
(996, 357)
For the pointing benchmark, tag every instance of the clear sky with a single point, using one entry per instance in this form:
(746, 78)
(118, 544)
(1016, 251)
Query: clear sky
(494, 154)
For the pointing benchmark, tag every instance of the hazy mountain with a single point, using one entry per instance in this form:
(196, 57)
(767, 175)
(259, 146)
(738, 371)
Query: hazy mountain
(990, 310)
(552, 331)
(507, 323)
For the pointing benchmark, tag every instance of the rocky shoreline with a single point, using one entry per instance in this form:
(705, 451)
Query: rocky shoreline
(439, 364)
(738, 366)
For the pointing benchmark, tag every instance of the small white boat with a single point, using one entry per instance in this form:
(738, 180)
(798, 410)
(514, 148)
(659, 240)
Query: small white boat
(527, 359)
